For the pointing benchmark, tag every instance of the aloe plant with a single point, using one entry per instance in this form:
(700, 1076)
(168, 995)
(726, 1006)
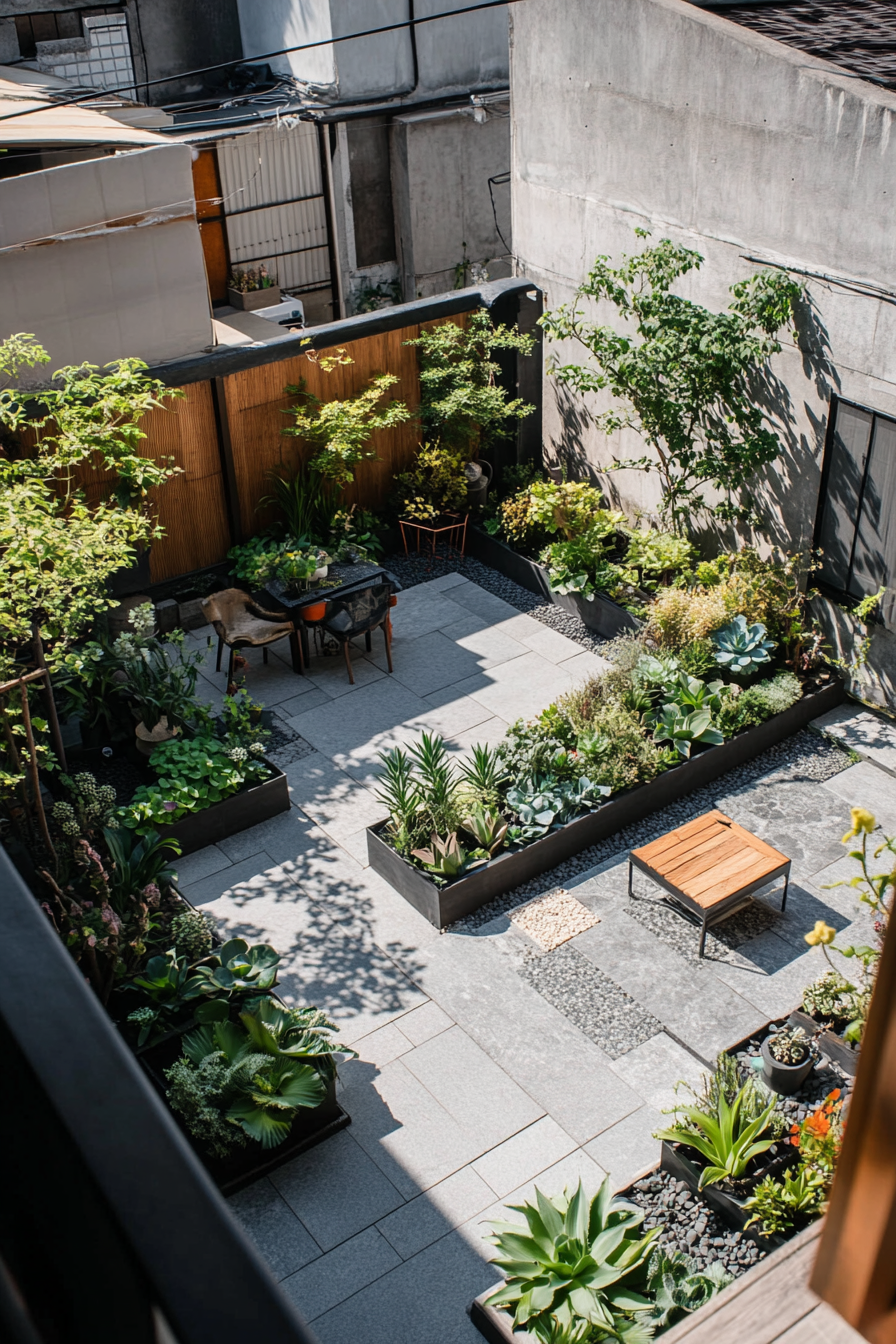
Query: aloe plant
(742, 648)
(682, 728)
(577, 1262)
(485, 772)
(726, 1141)
(447, 859)
(487, 828)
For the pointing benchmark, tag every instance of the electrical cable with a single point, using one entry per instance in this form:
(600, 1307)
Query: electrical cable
(499, 180)
(269, 55)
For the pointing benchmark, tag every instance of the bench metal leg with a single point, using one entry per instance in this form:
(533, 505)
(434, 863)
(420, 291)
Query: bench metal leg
(630, 875)
(702, 939)
(220, 647)
(786, 886)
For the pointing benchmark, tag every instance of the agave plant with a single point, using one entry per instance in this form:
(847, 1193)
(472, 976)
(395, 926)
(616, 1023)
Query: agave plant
(542, 802)
(447, 859)
(726, 1140)
(487, 828)
(578, 1261)
(691, 694)
(742, 648)
(674, 724)
(293, 1033)
(485, 772)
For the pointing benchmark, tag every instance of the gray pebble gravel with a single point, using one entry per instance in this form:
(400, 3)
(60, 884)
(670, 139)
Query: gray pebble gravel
(679, 933)
(690, 1225)
(590, 999)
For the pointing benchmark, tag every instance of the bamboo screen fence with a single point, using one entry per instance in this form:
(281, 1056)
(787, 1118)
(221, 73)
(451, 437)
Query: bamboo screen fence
(241, 438)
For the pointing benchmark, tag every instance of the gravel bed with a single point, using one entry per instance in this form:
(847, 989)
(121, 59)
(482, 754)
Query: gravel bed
(589, 999)
(414, 569)
(807, 756)
(663, 920)
(285, 746)
(690, 1225)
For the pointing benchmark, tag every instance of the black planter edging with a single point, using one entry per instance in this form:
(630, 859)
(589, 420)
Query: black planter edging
(729, 1208)
(599, 613)
(843, 1054)
(248, 1164)
(236, 813)
(443, 905)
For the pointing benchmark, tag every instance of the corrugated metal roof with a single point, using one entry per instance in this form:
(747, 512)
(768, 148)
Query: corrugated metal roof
(857, 35)
(53, 123)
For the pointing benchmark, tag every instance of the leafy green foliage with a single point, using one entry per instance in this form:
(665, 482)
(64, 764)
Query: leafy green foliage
(433, 485)
(339, 431)
(484, 774)
(684, 377)
(575, 1262)
(780, 1206)
(655, 553)
(541, 803)
(544, 746)
(138, 862)
(571, 508)
(727, 1141)
(741, 648)
(57, 549)
(192, 932)
(614, 751)
(307, 502)
(193, 773)
(237, 1075)
(830, 998)
(463, 407)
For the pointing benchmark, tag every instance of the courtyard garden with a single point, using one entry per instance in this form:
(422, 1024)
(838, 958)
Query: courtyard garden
(363, 909)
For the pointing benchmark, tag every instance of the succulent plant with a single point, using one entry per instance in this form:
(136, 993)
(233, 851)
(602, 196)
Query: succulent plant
(447, 859)
(791, 1045)
(683, 728)
(487, 828)
(742, 648)
(830, 997)
(542, 802)
(727, 1141)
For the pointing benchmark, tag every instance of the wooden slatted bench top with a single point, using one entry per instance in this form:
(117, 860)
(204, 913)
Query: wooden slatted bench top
(710, 859)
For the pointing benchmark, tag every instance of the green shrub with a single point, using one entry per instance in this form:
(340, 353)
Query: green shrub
(614, 751)
(744, 709)
(542, 747)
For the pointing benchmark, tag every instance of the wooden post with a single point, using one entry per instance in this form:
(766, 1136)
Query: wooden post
(855, 1270)
(52, 716)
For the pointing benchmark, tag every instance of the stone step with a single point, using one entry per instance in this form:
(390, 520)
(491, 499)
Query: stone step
(869, 735)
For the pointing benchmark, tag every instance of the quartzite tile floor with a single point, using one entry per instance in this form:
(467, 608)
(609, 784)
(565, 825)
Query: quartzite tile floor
(470, 1083)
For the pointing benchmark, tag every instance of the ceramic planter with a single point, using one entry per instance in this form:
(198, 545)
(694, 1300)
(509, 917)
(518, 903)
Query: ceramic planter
(443, 905)
(784, 1078)
(844, 1055)
(150, 738)
(254, 298)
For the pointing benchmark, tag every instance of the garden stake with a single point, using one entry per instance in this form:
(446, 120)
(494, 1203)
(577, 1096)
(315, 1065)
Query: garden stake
(52, 716)
(32, 762)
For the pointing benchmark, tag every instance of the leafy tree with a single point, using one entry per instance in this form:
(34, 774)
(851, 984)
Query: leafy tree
(339, 431)
(58, 549)
(686, 377)
(462, 406)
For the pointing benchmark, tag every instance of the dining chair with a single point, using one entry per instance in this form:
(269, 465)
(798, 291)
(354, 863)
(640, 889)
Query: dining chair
(360, 614)
(241, 623)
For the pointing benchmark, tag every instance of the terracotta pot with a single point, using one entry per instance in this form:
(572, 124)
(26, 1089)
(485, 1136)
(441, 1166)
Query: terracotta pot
(393, 600)
(316, 612)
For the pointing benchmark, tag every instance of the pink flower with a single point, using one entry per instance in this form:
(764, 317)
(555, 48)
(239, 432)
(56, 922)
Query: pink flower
(152, 894)
(169, 806)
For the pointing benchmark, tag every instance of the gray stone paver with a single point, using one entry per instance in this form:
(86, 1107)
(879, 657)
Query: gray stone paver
(869, 735)
(471, 1088)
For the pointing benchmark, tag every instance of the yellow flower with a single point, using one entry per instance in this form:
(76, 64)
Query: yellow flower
(862, 820)
(822, 933)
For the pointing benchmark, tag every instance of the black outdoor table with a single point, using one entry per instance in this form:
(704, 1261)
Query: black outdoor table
(352, 578)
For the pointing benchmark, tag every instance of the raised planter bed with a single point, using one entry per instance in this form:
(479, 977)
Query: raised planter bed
(443, 905)
(843, 1054)
(236, 813)
(599, 613)
(727, 1206)
(253, 298)
(248, 1164)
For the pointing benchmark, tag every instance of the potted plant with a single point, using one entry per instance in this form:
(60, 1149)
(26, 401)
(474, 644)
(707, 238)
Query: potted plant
(432, 493)
(252, 289)
(159, 689)
(787, 1058)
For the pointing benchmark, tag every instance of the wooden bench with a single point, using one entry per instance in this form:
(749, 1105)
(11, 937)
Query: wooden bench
(710, 867)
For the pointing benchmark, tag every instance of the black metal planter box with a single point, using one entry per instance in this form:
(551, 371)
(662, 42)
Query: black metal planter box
(829, 1043)
(249, 1164)
(599, 613)
(729, 1208)
(443, 905)
(236, 813)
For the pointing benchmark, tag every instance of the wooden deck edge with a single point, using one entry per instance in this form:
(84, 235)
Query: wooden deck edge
(802, 1242)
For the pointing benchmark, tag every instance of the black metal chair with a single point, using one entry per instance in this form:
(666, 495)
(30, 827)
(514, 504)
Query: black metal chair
(360, 614)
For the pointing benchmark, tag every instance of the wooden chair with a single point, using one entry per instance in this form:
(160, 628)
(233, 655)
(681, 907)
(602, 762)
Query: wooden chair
(241, 623)
(360, 614)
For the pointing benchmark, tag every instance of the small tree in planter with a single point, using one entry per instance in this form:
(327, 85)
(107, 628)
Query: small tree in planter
(685, 377)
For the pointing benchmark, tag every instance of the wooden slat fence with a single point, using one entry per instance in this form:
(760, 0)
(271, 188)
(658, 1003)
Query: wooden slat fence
(192, 508)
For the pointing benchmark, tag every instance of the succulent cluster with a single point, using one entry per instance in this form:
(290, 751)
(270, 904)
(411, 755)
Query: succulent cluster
(790, 1045)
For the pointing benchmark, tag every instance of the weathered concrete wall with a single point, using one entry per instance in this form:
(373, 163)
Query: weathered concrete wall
(441, 164)
(101, 292)
(664, 117)
(465, 54)
(658, 115)
(181, 35)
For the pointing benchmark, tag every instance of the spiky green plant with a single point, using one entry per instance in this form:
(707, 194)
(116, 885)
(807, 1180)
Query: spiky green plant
(726, 1140)
(577, 1260)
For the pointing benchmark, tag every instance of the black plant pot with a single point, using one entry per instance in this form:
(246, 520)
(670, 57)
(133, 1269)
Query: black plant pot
(784, 1078)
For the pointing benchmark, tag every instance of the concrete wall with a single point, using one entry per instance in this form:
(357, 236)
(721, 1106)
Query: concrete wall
(658, 115)
(105, 291)
(441, 164)
(453, 55)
